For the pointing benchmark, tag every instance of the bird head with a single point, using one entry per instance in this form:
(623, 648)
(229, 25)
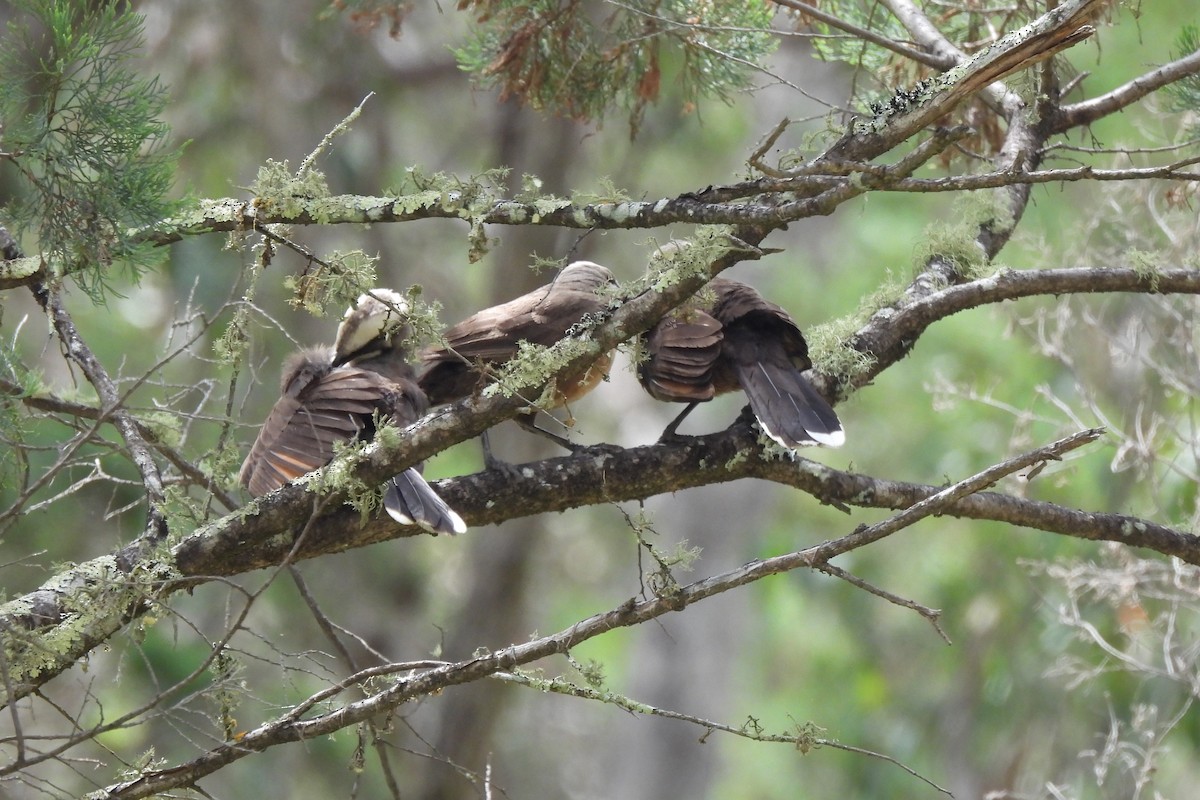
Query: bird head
(586, 276)
(377, 318)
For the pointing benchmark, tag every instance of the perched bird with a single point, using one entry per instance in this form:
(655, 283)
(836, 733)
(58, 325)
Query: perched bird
(490, 337)
(739, 341)
(333, 395)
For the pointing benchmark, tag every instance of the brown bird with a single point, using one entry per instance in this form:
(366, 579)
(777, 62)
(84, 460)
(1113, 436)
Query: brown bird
(333, 395)
(739, 341)
(490, 337)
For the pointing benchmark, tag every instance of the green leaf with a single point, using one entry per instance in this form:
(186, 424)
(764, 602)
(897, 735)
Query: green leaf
(83, 131)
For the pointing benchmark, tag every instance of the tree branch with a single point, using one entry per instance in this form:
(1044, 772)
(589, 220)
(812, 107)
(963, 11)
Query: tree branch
(868, 139)
(865, 34)
(51, 403)
(243, 542)
(289, 728)
(804, 738)
(909, 112)
(1088, 111)
(892, 332)
(78, 351)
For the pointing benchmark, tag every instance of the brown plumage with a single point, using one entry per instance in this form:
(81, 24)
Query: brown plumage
(332, 395)
(739, 341)
(491, 336)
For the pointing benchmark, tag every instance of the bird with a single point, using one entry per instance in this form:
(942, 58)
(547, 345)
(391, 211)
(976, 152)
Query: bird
(739, 340)
(333, 395)
(491, 337)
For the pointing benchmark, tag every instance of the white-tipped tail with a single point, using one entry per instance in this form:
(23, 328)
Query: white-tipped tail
(411, 501)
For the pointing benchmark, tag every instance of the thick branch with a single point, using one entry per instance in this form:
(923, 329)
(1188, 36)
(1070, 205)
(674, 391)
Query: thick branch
(243, 542)
(892, 332)
(559, 484)
(1059, 28)
(291, 727)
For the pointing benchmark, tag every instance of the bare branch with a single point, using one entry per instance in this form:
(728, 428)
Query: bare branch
(290, 729)
(892, 332)
(51, 300)
(804, 739)
(931, 615)
(865, 34)
(1088, 111)
(52, 403)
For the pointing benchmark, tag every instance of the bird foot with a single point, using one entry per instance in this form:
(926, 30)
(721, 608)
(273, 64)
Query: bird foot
(510, 470)
(598, 449)
(670, 436)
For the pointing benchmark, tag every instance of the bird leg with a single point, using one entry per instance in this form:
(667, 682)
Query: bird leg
(669, 431)
(528, 421)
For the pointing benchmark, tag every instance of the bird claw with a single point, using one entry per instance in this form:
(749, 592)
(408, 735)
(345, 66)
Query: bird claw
(506, 468)
(670, 436)
(598, 449)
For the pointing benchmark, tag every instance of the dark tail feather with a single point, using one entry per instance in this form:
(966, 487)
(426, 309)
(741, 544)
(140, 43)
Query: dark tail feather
(411, 501)
(787, 407)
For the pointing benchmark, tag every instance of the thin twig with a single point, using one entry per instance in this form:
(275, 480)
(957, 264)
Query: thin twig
(933, 615)
(804, 739)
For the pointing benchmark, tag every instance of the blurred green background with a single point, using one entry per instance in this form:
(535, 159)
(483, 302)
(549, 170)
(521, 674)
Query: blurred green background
(259, 79)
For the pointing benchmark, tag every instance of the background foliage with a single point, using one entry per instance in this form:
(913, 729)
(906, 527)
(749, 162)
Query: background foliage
(1025, 702)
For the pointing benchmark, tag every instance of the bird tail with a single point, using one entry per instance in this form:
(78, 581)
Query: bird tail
(409, 500)
(788, 408)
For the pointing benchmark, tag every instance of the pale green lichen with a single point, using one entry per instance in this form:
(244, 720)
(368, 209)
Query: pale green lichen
(229, 347)
(531, 194)
(20, 267)
(534, 365)
(164, 427)
(336, 283)
(1148, 266)
(277, 191)
(181, 510)
(772, 450)
(222, 464)
(830, 353)
(338, 474)
(736, 460)
(679, 259)
(472, 199)
(956, 240)
(94, 599)
(408, 204)
(480, 243)
(148, 761)
(606, 193)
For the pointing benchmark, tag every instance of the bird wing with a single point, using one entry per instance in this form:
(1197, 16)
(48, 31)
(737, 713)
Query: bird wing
(305, 426)
(541, 317)
(680, 354)
(765, 353)
(740, 305)
(493, 335)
